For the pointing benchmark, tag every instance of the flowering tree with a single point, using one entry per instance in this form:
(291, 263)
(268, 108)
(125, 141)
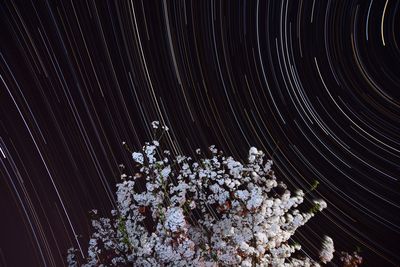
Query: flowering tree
(214, 211)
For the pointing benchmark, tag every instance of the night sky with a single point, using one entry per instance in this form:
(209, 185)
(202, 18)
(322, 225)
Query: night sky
(314, 84)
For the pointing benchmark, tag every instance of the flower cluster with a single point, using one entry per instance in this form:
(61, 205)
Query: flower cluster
(351, 260)
(213, 211)
(326, 253)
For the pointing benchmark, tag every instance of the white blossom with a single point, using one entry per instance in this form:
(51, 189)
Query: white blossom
(320, 204)
(256, 198)
(150, 151)
(155, 124)
(326, 253)
(175, 220)
(166, 171)
(138, 157)
(71, 258)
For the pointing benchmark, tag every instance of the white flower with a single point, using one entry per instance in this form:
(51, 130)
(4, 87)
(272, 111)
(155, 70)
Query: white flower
(71, 258)
(326, 253)
(155, 124)
(242, 194)
(175, 220)
(150, 151)
(213, 149)
(320, 204)
(138, 157)
(166, 171)
(253, 153)
(235, 167)
(256, 198)
(268, 166)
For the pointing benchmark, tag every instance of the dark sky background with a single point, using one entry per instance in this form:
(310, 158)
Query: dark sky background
(315, 84)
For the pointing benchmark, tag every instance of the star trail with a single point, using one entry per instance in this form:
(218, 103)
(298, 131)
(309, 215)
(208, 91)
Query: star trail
(314, 84)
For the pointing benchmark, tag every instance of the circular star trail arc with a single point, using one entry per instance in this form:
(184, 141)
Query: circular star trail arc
(315, 84)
